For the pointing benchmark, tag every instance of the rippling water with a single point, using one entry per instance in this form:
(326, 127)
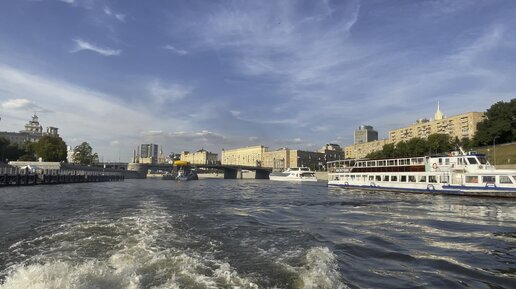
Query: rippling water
(251, 234)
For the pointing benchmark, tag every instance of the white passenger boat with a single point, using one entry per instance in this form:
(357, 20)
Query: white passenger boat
(458, 173)
(294, 174)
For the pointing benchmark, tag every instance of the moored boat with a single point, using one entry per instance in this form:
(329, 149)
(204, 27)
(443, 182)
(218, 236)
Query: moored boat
(301, 174)
(457, 173)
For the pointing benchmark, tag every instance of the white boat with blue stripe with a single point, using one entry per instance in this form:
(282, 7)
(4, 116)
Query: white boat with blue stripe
(457, 173)
(301, 174)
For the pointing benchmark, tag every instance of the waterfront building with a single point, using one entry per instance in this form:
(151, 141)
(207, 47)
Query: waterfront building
(69, 155)
(200, 157)
(147, 154)
(365, 133)
(247, 156)
(32, 132)
(284, 158)
(460, 126)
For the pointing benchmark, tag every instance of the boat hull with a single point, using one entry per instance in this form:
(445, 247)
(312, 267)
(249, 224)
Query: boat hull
(292, 179)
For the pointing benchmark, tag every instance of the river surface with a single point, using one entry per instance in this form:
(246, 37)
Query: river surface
(251, 234)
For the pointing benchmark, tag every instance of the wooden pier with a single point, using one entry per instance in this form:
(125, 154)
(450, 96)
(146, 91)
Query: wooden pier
(23, 177)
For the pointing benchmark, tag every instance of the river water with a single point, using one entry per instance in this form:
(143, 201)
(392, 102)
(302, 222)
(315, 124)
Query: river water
(251, 234)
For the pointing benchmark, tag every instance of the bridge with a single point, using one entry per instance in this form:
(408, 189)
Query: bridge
(230, 171)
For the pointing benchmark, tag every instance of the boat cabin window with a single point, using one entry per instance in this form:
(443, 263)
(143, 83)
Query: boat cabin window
(378, 178)
(505, 180)
(472, 179)
(440, 161)
(422, 179)
(488, 179)
(385, 178)
(394, 178)
(482, 160)
(391, 162)
(403, 178)
(432, 179)
(459, 161)
(412, 179)
(371, 178)
(447, 161)
(445, 179)
(381, 163)
(472, 161)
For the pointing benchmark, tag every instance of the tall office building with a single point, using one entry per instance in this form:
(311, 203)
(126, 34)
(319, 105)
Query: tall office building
(364, 134)
(148, 153)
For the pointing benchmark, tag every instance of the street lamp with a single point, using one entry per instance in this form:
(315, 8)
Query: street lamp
(494, 149)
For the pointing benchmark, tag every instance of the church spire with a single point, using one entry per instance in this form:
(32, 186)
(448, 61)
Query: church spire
(438, 114)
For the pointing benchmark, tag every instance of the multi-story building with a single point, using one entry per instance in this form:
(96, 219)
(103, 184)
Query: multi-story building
(32, 133)
(247, 156)
(147, 154)
(460, 126)
(286, 158)
(201, 157)
(365, 133)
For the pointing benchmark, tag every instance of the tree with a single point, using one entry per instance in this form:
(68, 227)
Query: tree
(50, 148)
(83, 154)
(500, 122)
(439, 143)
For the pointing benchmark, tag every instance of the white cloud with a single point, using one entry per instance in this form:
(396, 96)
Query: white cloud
(19, 103)
(119, 16)
(176, 50)
(163, 93)
(83, 45)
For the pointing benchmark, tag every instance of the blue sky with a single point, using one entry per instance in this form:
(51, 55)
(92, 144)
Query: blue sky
(224, 74)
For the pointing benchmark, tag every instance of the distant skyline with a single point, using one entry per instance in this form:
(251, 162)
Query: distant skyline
(225, 74)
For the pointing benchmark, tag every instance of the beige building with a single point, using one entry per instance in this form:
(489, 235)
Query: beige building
(460, 126)
(200, 157)
(287, 158)
(359, 151)
(247, 156)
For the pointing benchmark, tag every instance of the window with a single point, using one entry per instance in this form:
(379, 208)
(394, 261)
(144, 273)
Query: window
(394, 178)
(482, 160)
(440, 161)
(472, 179)
(412, 179)
(385, 178)
(488, 179)
(422, 179)
(445, 179)
(378, 178)
(447, 162)
(472, 161)
(505, 180)
(403, 179)
(432, 179)
(371, 178)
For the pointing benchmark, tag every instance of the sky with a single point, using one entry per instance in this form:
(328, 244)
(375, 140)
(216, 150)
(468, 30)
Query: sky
(226, 74)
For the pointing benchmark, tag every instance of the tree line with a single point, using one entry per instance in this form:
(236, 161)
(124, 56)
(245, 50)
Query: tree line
(48, 148)
(498, 127)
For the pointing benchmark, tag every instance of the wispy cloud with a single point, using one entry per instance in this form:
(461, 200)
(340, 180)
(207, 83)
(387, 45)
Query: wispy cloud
(175, 50)
(167, 93)
(119, 16)
(83, 45)
(19, 103)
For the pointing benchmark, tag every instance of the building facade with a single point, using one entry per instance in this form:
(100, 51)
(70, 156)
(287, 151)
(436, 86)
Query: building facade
(365, 133)
(284, 158)
(460, 126)
(247, 156)
(200, 157)
(32, 132)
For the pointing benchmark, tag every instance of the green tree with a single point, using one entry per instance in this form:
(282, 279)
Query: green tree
(50, 148)
(500, 123)
(439, 143)
(9, 151)
(83, 154)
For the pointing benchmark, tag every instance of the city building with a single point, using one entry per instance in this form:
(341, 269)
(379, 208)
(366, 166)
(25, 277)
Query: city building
(247, 156)
(200, 157)
(284, 158)
(460, 126)
(147, 154)
(32, 133)
(365, 133)
(332, 152)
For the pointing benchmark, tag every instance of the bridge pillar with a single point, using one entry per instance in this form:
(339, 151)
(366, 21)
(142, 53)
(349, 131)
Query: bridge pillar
(262, 175)
(230, 173)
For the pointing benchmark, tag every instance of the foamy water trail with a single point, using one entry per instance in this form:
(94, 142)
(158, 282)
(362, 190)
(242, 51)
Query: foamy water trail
(124, 253)
(143, 249)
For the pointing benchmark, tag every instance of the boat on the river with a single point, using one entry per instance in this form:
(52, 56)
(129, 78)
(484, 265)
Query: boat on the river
(457, 173)
(301, 174)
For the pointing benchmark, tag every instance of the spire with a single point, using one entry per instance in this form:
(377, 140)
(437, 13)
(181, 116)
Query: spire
(438, 114)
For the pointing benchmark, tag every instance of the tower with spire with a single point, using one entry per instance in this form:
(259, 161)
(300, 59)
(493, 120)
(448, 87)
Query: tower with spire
(438, 114)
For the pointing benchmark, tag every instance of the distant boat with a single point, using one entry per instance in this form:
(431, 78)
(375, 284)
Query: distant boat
(302, 174)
